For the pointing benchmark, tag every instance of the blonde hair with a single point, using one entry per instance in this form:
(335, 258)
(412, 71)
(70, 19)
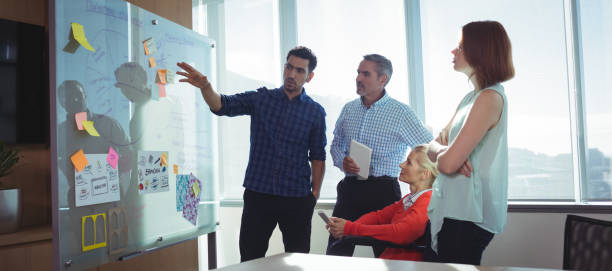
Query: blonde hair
(424, 162)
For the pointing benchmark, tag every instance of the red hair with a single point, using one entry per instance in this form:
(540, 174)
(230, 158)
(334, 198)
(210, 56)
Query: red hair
(487, 49)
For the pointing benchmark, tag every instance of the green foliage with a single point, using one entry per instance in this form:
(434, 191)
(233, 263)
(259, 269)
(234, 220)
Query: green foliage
(8, 158)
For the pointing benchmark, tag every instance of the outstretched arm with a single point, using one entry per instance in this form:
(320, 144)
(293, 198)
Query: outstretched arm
(195, 78)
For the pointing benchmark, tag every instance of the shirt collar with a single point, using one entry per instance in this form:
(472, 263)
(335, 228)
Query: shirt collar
(412, 198)
(382, 101)
(280, 93)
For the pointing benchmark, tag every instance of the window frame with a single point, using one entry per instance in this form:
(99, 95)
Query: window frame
(287, 37)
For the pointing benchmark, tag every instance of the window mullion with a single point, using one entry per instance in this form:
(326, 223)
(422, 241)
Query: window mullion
(414, 54)
(576, 94)
(287, 28)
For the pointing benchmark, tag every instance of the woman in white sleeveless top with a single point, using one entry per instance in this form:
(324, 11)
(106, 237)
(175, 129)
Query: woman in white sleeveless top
(469, 200)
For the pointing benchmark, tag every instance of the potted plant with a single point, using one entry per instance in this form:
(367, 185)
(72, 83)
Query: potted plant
(10, 197)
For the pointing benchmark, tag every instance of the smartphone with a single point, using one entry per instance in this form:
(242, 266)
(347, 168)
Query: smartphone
(324, 217)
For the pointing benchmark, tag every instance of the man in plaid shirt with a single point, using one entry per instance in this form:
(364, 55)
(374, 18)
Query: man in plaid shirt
(287, 132)
(385, 125)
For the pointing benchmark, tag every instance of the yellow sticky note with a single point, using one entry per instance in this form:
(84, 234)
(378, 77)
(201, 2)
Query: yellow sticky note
(79, 160)
(196, 189)
(175, 169)
(161, 76)
(79, 35)
(152, 63)
(89, 127)
(163, 161)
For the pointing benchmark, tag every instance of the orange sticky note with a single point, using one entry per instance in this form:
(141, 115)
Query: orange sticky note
(146, 48)
(152, 63)
(79, 160)
(163, 161)
(162, 89)
(161, 76)
(175, 169)
(79, 118)
(89, 127)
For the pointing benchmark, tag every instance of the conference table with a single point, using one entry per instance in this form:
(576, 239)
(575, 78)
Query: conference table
(316, 262)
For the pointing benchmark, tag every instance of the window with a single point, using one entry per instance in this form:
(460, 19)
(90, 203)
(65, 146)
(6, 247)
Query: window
(596, 35)
(250, 61)
(548, 121)
(340, 35)
(539, 136)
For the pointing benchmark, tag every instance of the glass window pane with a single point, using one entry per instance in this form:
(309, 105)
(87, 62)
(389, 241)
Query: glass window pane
(340, 35)
(539, 136)
(596, 37)
(250, 63)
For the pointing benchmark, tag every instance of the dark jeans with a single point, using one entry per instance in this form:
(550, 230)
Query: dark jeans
(359, 197)
(458, 242)
(260, 215)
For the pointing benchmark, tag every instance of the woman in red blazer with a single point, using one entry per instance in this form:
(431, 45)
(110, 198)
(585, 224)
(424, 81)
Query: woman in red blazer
(402, 222)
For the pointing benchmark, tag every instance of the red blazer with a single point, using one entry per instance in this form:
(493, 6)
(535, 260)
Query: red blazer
(396, 225)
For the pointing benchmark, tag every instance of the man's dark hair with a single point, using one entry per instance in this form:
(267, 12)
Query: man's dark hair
(383, 65)
(305, 53)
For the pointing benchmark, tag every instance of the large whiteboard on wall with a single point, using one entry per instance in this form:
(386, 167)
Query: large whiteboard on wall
(116, 86)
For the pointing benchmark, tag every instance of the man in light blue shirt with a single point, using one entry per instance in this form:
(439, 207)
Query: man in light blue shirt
(385, 125)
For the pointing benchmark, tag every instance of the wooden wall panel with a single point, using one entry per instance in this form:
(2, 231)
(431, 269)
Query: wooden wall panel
(27, 11)
(33, 175)
(31, 256)
(183, 256)
(178, 11)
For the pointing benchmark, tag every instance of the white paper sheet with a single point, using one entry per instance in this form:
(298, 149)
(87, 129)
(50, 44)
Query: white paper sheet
(361, 154)
(152, 172)
(97, 183)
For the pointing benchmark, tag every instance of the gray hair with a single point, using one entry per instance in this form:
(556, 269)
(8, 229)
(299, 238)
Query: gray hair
(383, 65)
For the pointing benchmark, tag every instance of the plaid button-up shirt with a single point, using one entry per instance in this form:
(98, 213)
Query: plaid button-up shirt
(285, 135)
(388, 127)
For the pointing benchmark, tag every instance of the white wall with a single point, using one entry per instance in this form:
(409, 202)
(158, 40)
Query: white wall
(529, 240)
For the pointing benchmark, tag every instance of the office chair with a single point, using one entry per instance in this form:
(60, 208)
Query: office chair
(418, 245)
(587, 244)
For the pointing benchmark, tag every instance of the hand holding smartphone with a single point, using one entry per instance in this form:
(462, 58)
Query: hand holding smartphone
(324, 217)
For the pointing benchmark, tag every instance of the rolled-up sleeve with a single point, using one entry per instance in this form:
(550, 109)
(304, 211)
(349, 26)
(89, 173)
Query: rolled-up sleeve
(237, 104)
(318, 140)
(412, 129)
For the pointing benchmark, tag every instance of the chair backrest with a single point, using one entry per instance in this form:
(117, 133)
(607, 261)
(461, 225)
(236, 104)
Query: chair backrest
(587, 244)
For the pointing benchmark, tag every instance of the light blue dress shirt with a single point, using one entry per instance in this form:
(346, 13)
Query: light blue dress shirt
(388, 127)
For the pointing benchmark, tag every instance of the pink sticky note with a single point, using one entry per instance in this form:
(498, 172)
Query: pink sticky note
(79, 118)
(112, 157)
(162, 90)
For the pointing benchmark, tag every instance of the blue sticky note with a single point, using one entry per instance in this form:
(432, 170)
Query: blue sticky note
(182, 182)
